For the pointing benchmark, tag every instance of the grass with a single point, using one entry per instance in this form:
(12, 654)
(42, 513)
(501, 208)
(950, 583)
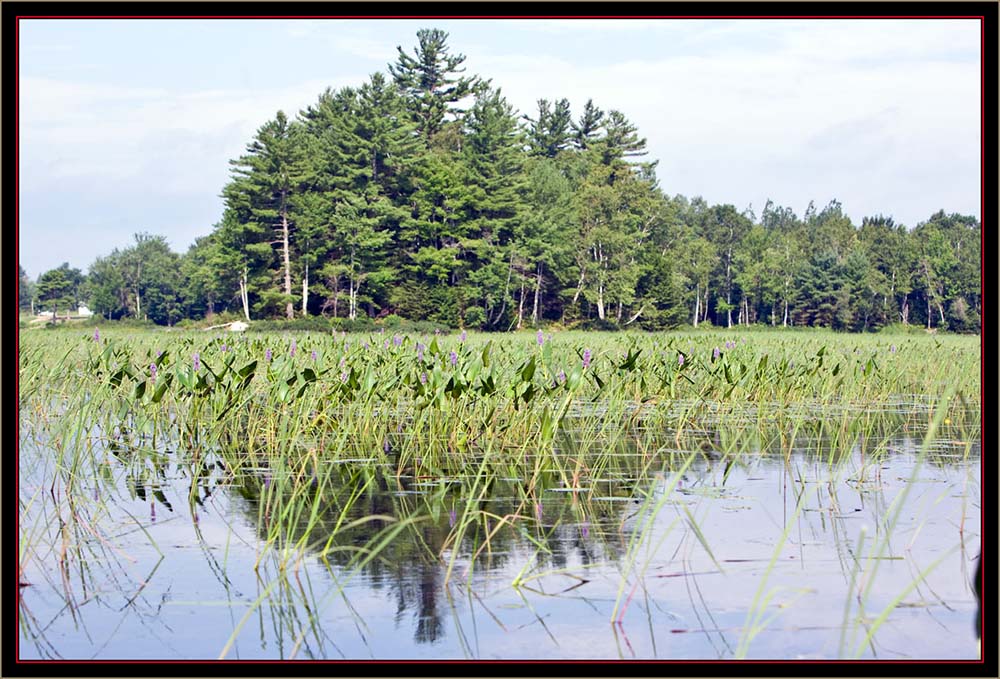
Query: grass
(307, 426)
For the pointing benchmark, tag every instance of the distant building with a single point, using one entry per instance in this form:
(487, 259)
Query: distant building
(84, 311)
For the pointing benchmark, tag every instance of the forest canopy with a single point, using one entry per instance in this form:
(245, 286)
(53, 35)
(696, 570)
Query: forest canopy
(422, 193)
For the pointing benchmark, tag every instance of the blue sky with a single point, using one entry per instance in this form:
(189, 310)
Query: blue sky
(127, 126)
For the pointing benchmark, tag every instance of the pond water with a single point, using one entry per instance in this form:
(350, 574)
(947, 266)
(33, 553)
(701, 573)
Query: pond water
(748, 554)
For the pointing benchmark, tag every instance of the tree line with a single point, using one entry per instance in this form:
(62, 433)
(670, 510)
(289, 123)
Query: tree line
(423, 193)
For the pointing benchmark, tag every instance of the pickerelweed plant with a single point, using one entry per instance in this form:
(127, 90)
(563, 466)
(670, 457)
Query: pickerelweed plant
(360, 449)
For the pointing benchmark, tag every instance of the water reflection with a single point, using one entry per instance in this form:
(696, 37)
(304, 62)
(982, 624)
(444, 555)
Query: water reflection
(271, 558)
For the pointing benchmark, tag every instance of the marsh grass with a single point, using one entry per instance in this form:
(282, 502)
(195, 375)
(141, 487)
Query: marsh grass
(308, 438)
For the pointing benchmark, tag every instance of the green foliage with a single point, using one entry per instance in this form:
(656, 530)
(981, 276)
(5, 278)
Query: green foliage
(55, 290)
(25, 289)
(423, 193)
(312, 323)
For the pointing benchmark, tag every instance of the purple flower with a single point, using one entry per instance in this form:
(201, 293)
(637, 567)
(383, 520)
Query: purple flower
(397, 340)
(585, 529)
(343, 376)
(540, 338)
(680, 359)
(197, 362)
(366, 345)
(423, 378)
(343, 360)
(451, 518)
(159, 353)
(267, 355)
(292, 352)
(267, 482)
(152, 371)
(561, 376)
(453, 359)
(436, 331)
(224, 348)
(97, 335)
(314, 355)
(892, 349)
(715, 354)
(461, 338)
(385, 446)
(385, 344)
(420, 351)
(586, 358)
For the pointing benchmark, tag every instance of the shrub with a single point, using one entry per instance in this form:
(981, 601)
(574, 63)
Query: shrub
(475, 318)
(309, 323)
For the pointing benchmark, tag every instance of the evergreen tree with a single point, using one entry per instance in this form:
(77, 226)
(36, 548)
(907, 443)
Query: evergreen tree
(491, 246)
(551, 132)
(726, 228)
(202, 288)
(587, 129)
(548, 232)
(265, 183)
(55, 290)
(431, 80)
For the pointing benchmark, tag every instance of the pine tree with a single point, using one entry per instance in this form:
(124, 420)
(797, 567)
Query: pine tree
(589, 126)
(492, 245)
(430, 79)
(265, 182)
(551, 132)
(55, 290)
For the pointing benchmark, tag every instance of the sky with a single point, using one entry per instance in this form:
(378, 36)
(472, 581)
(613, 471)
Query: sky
(127, 126)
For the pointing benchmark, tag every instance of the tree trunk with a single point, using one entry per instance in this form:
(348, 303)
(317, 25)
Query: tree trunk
(520, 307)
(289, 307)
(729, 287)
(784, 320)
(336, 294)
(353, 284)
(506, 289)
(618, 316)
(600, 301)
(538, 287)
(697, 303)
(305, 292)
(244, 297)
(579, 287)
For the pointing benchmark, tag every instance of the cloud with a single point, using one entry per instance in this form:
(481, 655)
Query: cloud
(814, 110)
(568, 26)
(167, 142)
(882, 115)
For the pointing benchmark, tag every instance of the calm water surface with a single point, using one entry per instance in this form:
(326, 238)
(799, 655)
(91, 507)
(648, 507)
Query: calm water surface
(721, 567)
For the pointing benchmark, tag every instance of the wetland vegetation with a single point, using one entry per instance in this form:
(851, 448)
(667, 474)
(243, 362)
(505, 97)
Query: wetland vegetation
(315, 495)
